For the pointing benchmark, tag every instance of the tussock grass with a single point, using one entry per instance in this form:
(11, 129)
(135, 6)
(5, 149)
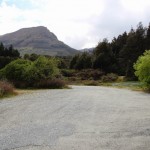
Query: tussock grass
(6, 89)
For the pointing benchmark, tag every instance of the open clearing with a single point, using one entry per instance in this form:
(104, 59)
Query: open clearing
(81, 118)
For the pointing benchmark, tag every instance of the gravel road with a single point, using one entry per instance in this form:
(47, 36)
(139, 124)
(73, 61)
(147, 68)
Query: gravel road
(81, 118)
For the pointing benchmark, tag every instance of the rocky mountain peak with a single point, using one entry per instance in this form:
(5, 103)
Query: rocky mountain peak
(37, 40)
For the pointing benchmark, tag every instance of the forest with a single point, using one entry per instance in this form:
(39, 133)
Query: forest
(117, 56)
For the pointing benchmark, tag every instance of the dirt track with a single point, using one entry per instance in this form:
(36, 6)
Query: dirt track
(82, 118)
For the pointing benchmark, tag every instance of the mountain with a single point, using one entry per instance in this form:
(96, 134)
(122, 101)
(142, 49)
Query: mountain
(37, 40)
(90, 50)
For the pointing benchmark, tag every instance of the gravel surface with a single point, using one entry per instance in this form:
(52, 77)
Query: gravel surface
(81, 118)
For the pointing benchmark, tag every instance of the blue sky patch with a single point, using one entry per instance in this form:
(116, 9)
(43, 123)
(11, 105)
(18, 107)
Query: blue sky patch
(22, 4)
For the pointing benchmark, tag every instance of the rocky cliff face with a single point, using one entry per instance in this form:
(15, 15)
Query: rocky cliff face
(37, 40)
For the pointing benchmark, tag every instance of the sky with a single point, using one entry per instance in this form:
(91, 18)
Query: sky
(78, 23)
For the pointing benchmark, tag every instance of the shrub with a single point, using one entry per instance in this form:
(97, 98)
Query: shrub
(68, 72)
(26, 73)
(6, 88)
(41, 69)
(110, 77)
(73, 78)
(90, 74)
(15, 70)
(21, 84)
(47, 67)
(50, 84)
(92, 83)
(142, 69)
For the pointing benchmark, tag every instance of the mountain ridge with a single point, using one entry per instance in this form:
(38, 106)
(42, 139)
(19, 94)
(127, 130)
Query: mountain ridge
(37, 40)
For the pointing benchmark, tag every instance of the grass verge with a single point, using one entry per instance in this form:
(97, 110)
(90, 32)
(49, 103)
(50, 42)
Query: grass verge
(131, 85)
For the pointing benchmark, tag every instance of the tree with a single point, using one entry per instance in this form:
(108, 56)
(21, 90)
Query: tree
(103, 57)
(1, 49)
(118, 43)
(127, 53)
(7, 54)
(74, 61)
(84, 61)
(81, 61)
(134, 47)
(26, 56)
(148, 38)
(33, 57)
(142, 67)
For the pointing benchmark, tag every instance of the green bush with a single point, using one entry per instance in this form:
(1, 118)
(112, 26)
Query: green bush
(26, 73)
(42, 68)
(142, 69)
(15, 70)
(68, 72)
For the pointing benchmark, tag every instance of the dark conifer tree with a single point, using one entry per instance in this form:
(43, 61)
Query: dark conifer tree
(147, 43)
(7, 54)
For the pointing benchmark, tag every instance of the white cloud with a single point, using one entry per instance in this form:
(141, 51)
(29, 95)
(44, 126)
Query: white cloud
(79, 23)
(136, 6)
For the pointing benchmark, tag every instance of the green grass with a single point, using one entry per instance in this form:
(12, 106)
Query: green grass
(132, 85)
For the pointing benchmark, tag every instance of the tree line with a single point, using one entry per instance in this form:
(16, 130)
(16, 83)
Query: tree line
(7, 54)
(117, 56)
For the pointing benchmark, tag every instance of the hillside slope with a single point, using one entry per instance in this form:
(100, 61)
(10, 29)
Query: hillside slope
(37, 40)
